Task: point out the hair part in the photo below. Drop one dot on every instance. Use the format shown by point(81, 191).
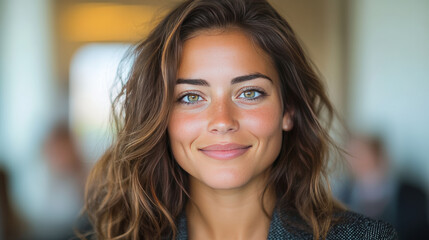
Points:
point(137, 190)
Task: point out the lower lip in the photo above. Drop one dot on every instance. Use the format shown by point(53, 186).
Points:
point(225, 154)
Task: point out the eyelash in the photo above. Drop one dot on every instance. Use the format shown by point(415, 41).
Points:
point(258, 90)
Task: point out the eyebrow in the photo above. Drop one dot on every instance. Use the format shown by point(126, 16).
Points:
point(239, 79)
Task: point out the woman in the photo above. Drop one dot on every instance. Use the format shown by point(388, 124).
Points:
point(219, 136)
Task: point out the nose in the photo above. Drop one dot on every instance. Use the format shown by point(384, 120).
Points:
point(222, 118)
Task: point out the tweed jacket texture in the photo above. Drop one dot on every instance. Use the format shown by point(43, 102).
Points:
point(352, 226)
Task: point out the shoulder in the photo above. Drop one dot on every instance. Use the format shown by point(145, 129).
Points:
point(350, 225)
point(346, 225)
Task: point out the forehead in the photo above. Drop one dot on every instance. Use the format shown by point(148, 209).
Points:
point(228, 50)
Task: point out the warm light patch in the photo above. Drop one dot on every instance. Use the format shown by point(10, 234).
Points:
point(101, 22)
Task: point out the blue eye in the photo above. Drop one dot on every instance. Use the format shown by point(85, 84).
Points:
point(190, 98)
point(251, 94)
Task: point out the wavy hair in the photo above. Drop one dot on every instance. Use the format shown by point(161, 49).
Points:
point(137, 190)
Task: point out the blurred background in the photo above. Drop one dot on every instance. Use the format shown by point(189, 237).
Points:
point(59, 59)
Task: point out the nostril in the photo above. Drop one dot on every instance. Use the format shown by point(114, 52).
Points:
point(224, 128)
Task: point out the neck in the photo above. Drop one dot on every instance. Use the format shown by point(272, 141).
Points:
point(229, 214)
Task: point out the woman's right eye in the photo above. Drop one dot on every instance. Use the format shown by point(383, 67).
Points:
point(190, 98)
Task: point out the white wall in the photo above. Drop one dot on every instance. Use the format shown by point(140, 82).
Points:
point(27, 98)
point(389, 78)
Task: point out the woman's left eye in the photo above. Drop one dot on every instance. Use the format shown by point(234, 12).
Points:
point(251, 94)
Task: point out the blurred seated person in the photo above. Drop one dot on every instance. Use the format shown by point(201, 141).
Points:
point(64, 196)
point(373, 191)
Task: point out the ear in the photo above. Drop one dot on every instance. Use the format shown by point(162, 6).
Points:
point(287, 121)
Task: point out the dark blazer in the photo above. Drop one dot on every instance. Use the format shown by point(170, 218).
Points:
point(353, 226)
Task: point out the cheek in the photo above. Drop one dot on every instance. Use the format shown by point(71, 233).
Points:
point(264, 121)
point(184, 128)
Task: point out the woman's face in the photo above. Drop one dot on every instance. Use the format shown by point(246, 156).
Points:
point(226, 124)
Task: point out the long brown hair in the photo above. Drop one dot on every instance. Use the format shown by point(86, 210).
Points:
point(137, 190)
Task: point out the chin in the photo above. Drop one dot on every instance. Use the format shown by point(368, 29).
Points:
point(226, 180)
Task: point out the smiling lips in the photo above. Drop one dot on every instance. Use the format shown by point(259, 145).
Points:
point(225, 152)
